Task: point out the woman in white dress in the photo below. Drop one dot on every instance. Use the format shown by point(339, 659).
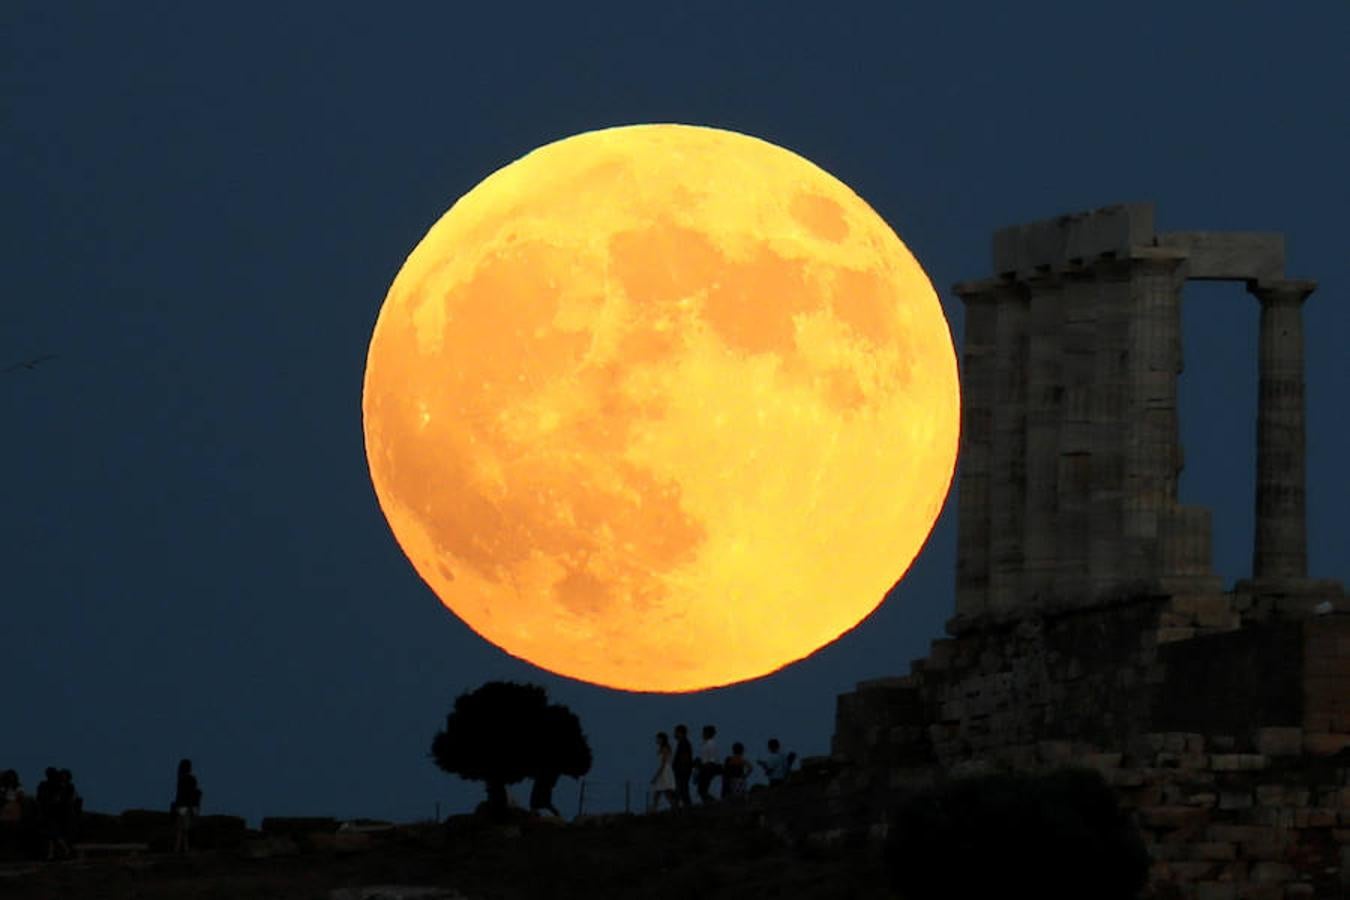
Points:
point(663, 782)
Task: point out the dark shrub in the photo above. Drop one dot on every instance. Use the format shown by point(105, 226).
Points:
point(1053, 836)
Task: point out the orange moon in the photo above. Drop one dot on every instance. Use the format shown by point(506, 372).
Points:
point(661, 408)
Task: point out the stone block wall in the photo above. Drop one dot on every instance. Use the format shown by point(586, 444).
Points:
point(1222, 825)
point(1225, 730)
point(1326, 684)
point(1232, 683)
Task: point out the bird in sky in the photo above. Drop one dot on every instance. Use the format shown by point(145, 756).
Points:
point(31, 363)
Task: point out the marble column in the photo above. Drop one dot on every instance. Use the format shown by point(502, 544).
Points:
point(1073, 479)
point(1008, 458)
point(1281, 545)
point(1153, 441)
point(1109, 401)
point(1045, 400)
point(977, 400)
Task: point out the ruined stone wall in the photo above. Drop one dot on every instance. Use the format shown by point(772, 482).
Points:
point(1233, 683)
point(1326, 684)
point(1231, 744)
point(1074, 673)
point(1221, 824)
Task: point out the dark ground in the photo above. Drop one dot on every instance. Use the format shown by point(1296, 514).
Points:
point(699, 854)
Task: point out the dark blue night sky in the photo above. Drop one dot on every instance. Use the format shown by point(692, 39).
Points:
point(203, 206)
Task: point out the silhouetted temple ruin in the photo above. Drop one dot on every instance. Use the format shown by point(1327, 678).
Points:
point(1090, 628)
point(1072, 450)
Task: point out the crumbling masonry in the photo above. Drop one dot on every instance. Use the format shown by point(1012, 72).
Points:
point(1090, 627)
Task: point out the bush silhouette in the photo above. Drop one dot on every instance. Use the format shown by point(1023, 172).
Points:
point(1053, 836)
point(504, 732)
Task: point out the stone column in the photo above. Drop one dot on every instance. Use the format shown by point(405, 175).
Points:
point(1008, 460)
point(1153, 442)
point(1109, 411)
point(1281, 546)
point(1045, 400)
point(977, 399)
point(1073, 483)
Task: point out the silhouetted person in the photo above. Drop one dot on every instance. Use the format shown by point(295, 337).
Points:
point(11, 797)
point(541, 793)
point(682, 765)
point(11, 812)
point(776, 765)
point(709, 764)
point(735, 772)
point(69, 806)
point(51, 816)
point(187, 802)
point(663, 782)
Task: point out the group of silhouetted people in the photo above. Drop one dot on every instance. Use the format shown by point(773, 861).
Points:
point(44, 824)
point(677, 766)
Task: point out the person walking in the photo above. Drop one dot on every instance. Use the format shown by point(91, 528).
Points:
point(50, 815)
point(69, 807)
point(735, 772)
point(187, 802)
point(682, 765)
point(663, 782)
point(777, 765)
point(709, 764)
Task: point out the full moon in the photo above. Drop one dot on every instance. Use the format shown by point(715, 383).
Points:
point(661, 408)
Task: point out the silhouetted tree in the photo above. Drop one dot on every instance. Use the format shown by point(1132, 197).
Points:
point(1059, 835)
point(504, 732)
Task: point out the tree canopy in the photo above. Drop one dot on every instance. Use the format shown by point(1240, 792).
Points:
point(504, 732)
